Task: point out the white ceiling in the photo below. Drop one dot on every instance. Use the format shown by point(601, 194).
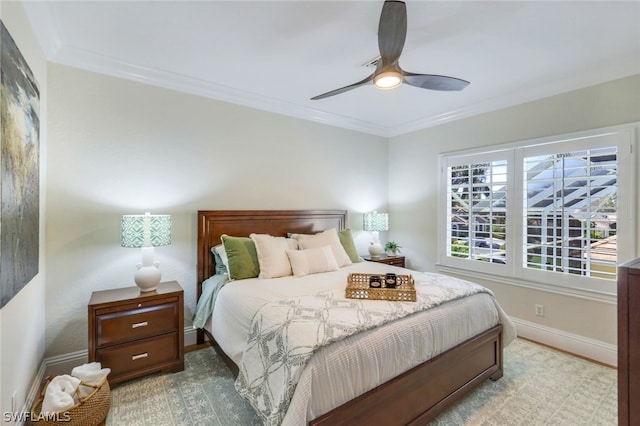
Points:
point(275, 55)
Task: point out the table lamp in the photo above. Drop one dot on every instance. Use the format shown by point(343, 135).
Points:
point(375, 222)
point(146, 232)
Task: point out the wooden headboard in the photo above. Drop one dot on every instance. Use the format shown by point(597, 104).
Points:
point(240, 223)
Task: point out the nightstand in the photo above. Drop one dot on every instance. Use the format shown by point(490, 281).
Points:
point(389, 260)
point(137, 333)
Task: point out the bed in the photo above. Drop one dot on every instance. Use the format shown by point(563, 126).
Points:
point(412, 388)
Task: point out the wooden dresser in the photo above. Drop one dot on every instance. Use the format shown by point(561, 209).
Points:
point(629, 343)
point(135, 333)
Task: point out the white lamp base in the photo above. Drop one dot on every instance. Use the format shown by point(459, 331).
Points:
point(147, 277)
point(375, 249)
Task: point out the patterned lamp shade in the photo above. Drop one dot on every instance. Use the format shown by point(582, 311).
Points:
point(146, 230)
point(375, 221)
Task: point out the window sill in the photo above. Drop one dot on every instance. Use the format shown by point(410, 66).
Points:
point(565, 291)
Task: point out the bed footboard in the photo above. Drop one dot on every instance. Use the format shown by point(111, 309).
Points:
point(420, 394)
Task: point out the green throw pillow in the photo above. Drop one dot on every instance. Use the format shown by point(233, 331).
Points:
point(346, 239)
point(242, 257)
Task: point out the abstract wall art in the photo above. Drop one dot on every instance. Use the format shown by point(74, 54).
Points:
point(19, 170)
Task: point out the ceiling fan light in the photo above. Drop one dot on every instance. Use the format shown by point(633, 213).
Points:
point(387, 80)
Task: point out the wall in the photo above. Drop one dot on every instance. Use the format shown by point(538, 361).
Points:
point(120, 147)
point(413, 184)
point(22, 325)
point(112, 147)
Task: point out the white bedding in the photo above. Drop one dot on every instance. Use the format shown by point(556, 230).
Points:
point(345, 369)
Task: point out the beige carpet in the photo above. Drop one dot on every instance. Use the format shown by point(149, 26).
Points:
point(540, 386)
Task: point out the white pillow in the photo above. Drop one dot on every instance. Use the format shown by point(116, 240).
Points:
point(312, 261)
point(272, 255)
point(327, 238)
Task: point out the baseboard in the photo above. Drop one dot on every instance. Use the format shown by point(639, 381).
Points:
point(190, 336)
point(605, 353)
point(63, 364)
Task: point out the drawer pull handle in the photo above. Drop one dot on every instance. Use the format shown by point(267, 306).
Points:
point(144, 355)
point(140, 324)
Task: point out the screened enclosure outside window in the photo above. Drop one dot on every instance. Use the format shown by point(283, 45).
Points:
point(571, 212)
point(555, 212)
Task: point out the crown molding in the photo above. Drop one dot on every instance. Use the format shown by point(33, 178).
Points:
point(90, 61)
point(46, 29)
point(628, 67)
point(44, 26)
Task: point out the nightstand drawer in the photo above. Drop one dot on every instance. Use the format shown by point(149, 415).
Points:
point(128, 325)
point(396, 262)
point(122, 359)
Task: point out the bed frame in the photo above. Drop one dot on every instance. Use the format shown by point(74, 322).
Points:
point(413, 398)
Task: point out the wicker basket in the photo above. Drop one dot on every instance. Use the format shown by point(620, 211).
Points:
point(358, 288)
point(90, 411)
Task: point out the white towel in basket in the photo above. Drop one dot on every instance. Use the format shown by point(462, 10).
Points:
point(60, 393)
point(91, 374)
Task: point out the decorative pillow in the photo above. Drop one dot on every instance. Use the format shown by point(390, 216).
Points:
point(220, 257)
point(272, 255)
point(312, 261)
point(242, 256)
point(346, 239)
point(326, 238)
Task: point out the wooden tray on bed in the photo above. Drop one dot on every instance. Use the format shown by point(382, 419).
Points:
point(358, 288)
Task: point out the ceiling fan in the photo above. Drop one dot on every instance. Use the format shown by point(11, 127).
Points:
point(392, 32)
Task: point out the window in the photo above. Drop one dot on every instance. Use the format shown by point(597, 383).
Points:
point(571, 212)
point(556, 211)
point(477, 211)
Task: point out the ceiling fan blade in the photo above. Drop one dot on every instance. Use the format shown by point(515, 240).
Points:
point(392, 31)
point(344, 89)
point(434, 82)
